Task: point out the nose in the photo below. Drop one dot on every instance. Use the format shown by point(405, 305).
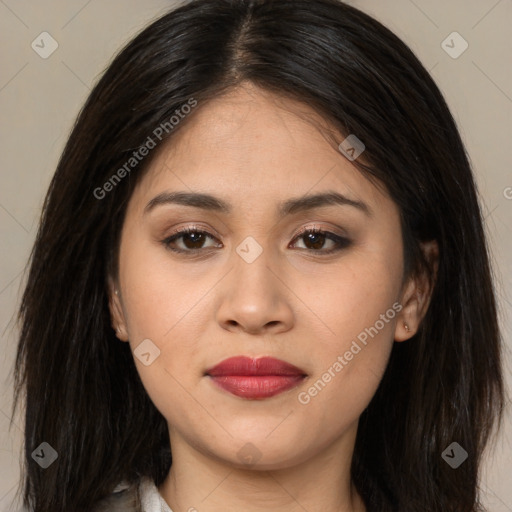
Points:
point(255, 299)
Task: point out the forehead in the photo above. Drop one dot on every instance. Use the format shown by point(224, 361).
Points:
point(256, 148)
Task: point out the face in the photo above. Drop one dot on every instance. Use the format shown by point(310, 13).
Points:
point(263, 270)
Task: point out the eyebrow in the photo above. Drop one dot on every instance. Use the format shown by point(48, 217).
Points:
point(288, 207)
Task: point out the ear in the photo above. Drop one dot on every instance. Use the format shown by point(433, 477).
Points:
point(416, 295)
point(116, 311)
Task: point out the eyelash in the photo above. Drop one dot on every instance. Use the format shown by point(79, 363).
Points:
point(342, 242)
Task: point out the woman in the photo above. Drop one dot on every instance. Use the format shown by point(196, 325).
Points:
point(262, 251)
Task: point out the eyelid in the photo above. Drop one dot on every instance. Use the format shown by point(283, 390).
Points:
point(194, 228)
point(319, 229)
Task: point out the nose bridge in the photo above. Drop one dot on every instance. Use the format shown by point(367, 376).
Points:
point(254, 298)
point(252, 278)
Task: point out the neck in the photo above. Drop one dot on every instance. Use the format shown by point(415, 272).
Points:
point(198, 482)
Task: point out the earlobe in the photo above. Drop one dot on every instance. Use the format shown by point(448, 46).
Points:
point(116, 313)
point(403, 331)
point(417, 295)
point(406, 326)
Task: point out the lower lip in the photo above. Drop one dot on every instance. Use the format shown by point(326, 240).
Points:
point(257, 387)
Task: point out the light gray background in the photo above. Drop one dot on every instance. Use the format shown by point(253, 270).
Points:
point(39, 99)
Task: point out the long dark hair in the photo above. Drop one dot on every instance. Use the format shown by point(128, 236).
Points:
point(83, 394)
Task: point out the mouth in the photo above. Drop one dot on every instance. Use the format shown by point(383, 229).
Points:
point(255, 379)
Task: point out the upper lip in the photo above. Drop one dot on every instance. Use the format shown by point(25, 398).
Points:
point(248, 366)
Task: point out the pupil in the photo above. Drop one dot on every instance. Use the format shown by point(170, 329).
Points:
point(191, 236)
point(319, 242)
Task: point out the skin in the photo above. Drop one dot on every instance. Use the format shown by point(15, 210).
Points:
point(251, 149)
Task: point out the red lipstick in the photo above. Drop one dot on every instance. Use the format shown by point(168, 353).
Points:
point(255, 379)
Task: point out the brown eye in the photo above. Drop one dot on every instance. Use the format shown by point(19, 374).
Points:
point(314, 240)
point(192, 240)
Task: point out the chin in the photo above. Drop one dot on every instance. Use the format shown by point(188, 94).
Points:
point(259, 452)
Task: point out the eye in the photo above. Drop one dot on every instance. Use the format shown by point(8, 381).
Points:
point(314, 240)
point(192, 240)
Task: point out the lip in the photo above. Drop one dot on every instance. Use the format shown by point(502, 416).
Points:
point(255, 379)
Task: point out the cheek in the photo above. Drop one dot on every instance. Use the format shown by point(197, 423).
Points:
point(158, 292)
point(167, 314)
point(349, 364)
point(162, 306)
point(351, 296)
point(354, 313)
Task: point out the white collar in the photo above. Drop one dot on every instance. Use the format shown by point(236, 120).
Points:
point(151, 498)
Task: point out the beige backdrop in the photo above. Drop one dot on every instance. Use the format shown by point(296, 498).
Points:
point(40, 97)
